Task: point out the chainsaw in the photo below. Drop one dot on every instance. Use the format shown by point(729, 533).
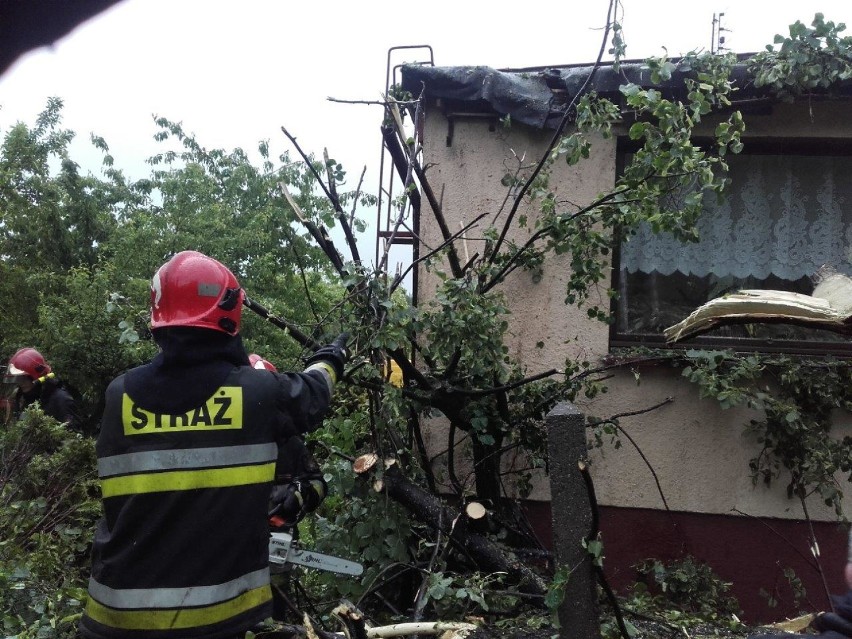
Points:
point(284, 551)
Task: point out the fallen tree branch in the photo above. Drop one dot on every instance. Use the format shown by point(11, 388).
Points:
point(455, 628)
point(556, 136)
point(431, 511)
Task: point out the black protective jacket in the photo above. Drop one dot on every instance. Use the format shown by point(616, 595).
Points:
point(55, 400)
point(186, 458)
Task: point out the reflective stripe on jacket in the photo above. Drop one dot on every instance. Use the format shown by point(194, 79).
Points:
point(182, 550)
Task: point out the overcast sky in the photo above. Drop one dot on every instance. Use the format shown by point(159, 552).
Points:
point(235, 72)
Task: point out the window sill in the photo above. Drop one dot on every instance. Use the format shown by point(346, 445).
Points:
point(739, 345)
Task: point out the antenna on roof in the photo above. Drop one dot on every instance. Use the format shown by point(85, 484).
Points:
point(717, 40)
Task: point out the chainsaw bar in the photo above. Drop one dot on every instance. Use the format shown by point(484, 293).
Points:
point(284, 550)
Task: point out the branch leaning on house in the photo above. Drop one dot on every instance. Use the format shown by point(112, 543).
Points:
point(815, 549)
point(512, 263)
point(411, 152)
point(556, 136)
point(808, 560)
point(437, 210)
point(436, 250)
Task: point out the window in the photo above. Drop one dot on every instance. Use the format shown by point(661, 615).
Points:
point(786, 214)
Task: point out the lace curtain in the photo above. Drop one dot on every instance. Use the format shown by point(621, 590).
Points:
point(785, 215)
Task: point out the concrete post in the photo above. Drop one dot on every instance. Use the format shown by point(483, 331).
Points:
point(571, 520)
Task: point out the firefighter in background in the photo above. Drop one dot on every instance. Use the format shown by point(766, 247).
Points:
point(186, 458)
point(36, 382)
point(299, 487)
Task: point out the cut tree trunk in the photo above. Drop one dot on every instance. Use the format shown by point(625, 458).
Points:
point(432, 511)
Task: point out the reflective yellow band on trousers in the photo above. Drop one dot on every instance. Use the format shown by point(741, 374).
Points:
point(177, 618)
point(176, 596)
point(187, 480)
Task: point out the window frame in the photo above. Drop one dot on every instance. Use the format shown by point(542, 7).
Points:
point(751, 146)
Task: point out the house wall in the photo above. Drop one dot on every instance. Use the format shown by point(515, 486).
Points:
point(699, 453)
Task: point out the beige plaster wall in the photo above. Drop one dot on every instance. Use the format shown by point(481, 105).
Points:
point(466, 176)
point(698, 451)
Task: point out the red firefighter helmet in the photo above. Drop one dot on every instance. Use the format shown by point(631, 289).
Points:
point(28, 361)
point(257, 361)
point(192, 289)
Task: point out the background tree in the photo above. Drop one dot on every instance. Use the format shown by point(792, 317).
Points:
point(77, 252)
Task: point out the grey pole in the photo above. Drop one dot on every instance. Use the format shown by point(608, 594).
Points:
point(571, 521)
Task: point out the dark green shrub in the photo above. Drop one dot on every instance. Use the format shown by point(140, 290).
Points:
point(49, 501)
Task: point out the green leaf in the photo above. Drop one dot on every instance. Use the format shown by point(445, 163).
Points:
point(637, 130)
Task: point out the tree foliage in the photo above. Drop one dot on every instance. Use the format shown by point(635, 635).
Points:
point(78, 250)
point(49, 501)
point(797, 399)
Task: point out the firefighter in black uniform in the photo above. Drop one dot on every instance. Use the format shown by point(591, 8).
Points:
point(186, 458)
point(37, 382)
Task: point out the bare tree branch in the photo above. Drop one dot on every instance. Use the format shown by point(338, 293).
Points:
point(294, 331)
point(357, 197)
point(614, 421)
point(507, 387)
point(438, 249)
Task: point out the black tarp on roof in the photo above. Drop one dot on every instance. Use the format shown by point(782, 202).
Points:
point(539, 97)
point(526, 97)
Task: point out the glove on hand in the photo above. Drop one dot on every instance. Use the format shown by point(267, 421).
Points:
point(296, 499)
point(335, 354)
point(288, 500)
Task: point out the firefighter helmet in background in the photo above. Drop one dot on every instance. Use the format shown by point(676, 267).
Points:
point(27, 361)
point(258, 362)
point(194, 290)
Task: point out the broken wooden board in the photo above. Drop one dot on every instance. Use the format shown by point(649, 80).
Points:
point(828, 308)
